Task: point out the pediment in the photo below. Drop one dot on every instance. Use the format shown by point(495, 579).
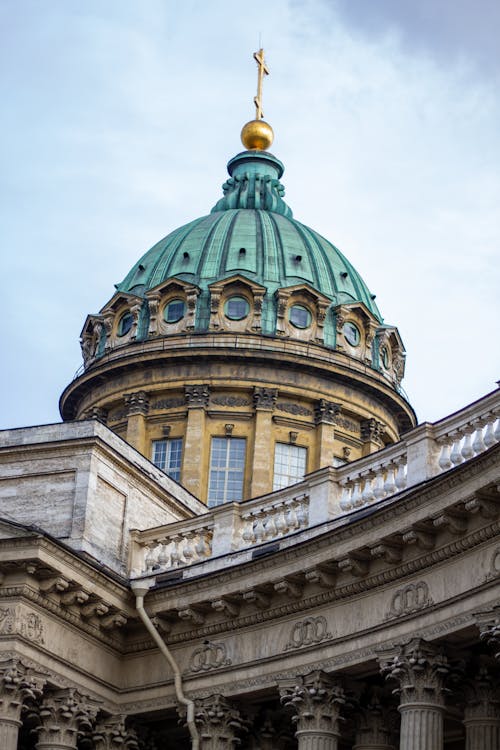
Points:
point(118, 300)
point(169, 285)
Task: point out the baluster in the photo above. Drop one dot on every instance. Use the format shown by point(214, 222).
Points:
point(188, 551)
point(291, 517)
point(478, 445)
point(379, 490)
point(260, 531)
point(301, 513)
point(489, 435)
point(269, 525)
point(175, 554)
point(496, 433)
point(444, 457)
point(356, 499)
point(389, 484)
point(367, 494)
point(467, 451)
point(163, 557)
point(149, 558)
point(247, 534)
point(202, 547)
point(456, 453)
point(400, 478)
point(345, 498)
point(281, 526)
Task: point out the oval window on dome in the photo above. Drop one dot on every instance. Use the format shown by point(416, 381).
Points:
point(384, 356)
point(174, 310)
point(125, 324)
point(300, 316)
point(352, 334)
point(237, 308)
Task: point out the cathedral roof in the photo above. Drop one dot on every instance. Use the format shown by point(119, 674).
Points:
point(250, 232)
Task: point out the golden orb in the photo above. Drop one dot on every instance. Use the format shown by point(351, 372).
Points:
point(257, 134)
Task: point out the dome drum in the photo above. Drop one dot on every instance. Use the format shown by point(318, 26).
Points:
point(246, 326)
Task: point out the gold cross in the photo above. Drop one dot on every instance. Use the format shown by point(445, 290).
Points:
point(263, 70)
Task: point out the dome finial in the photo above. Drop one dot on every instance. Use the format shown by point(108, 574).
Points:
point(258, 134)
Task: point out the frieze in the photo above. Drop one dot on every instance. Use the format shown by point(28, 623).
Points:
point(28, 625)
point(209, 656)
point(390, 575)
point(409, 599)
point(296, 409)
point(308, 631)
point(494, 571)
point(347, 424)
point(168, 403)
point(230, 401)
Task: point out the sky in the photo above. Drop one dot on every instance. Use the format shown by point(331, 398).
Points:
point(119, 118)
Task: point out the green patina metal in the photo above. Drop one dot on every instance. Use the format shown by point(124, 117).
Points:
point(251, 232)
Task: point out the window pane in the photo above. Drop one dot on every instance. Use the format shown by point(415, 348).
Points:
point(227, 469)
point(167, 455)
point(289, 465)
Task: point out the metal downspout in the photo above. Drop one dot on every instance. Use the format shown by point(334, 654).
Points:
point(140, 589)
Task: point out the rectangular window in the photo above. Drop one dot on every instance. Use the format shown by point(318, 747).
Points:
point(289, 465)
point(227, 469)
point(167, 455)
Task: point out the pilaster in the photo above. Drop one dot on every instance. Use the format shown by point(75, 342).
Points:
point(137, 408)
point(316, 700)
point(264, 400)
point(196, 445)
point(482, 712)
point(371, 432)
point(325, 414)
point(218, 722)
point(420, 669)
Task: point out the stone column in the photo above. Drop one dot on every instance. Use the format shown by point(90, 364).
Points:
point(196, 443)
point(137, 408)
point(482, 712)
point(218, 723)
point(112, 734)
point(373, 728)
point(264, 400)
point(325, 414)
point(17, 687)
point(63, 715)
point(316, 701)
point(420, 668)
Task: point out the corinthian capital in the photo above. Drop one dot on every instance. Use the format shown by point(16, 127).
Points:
point(65, 714)
point(137, 403)
point(219, 723)
point(316, 700)
point(420, 668)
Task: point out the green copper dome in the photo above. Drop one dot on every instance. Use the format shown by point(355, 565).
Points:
point(250, 232)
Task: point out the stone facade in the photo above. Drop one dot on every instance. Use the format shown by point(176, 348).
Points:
point(302, 619)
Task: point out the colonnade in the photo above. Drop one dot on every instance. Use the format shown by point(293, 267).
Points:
point(317, 705)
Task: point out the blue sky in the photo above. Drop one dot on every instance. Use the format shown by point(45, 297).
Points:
point(119, 118)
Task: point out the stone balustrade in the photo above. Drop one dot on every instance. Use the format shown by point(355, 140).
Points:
point(325, 495)
point(169, 547)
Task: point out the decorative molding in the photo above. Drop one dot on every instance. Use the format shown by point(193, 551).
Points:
point(137, 403)
point(168, 403)
point(197, 396)
point(230, 401)
point(296, 409)
point(209, 656)
point(409, 599)
point(326, 412)
point(308, 631)
point(265, 398)
point(28, 625)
